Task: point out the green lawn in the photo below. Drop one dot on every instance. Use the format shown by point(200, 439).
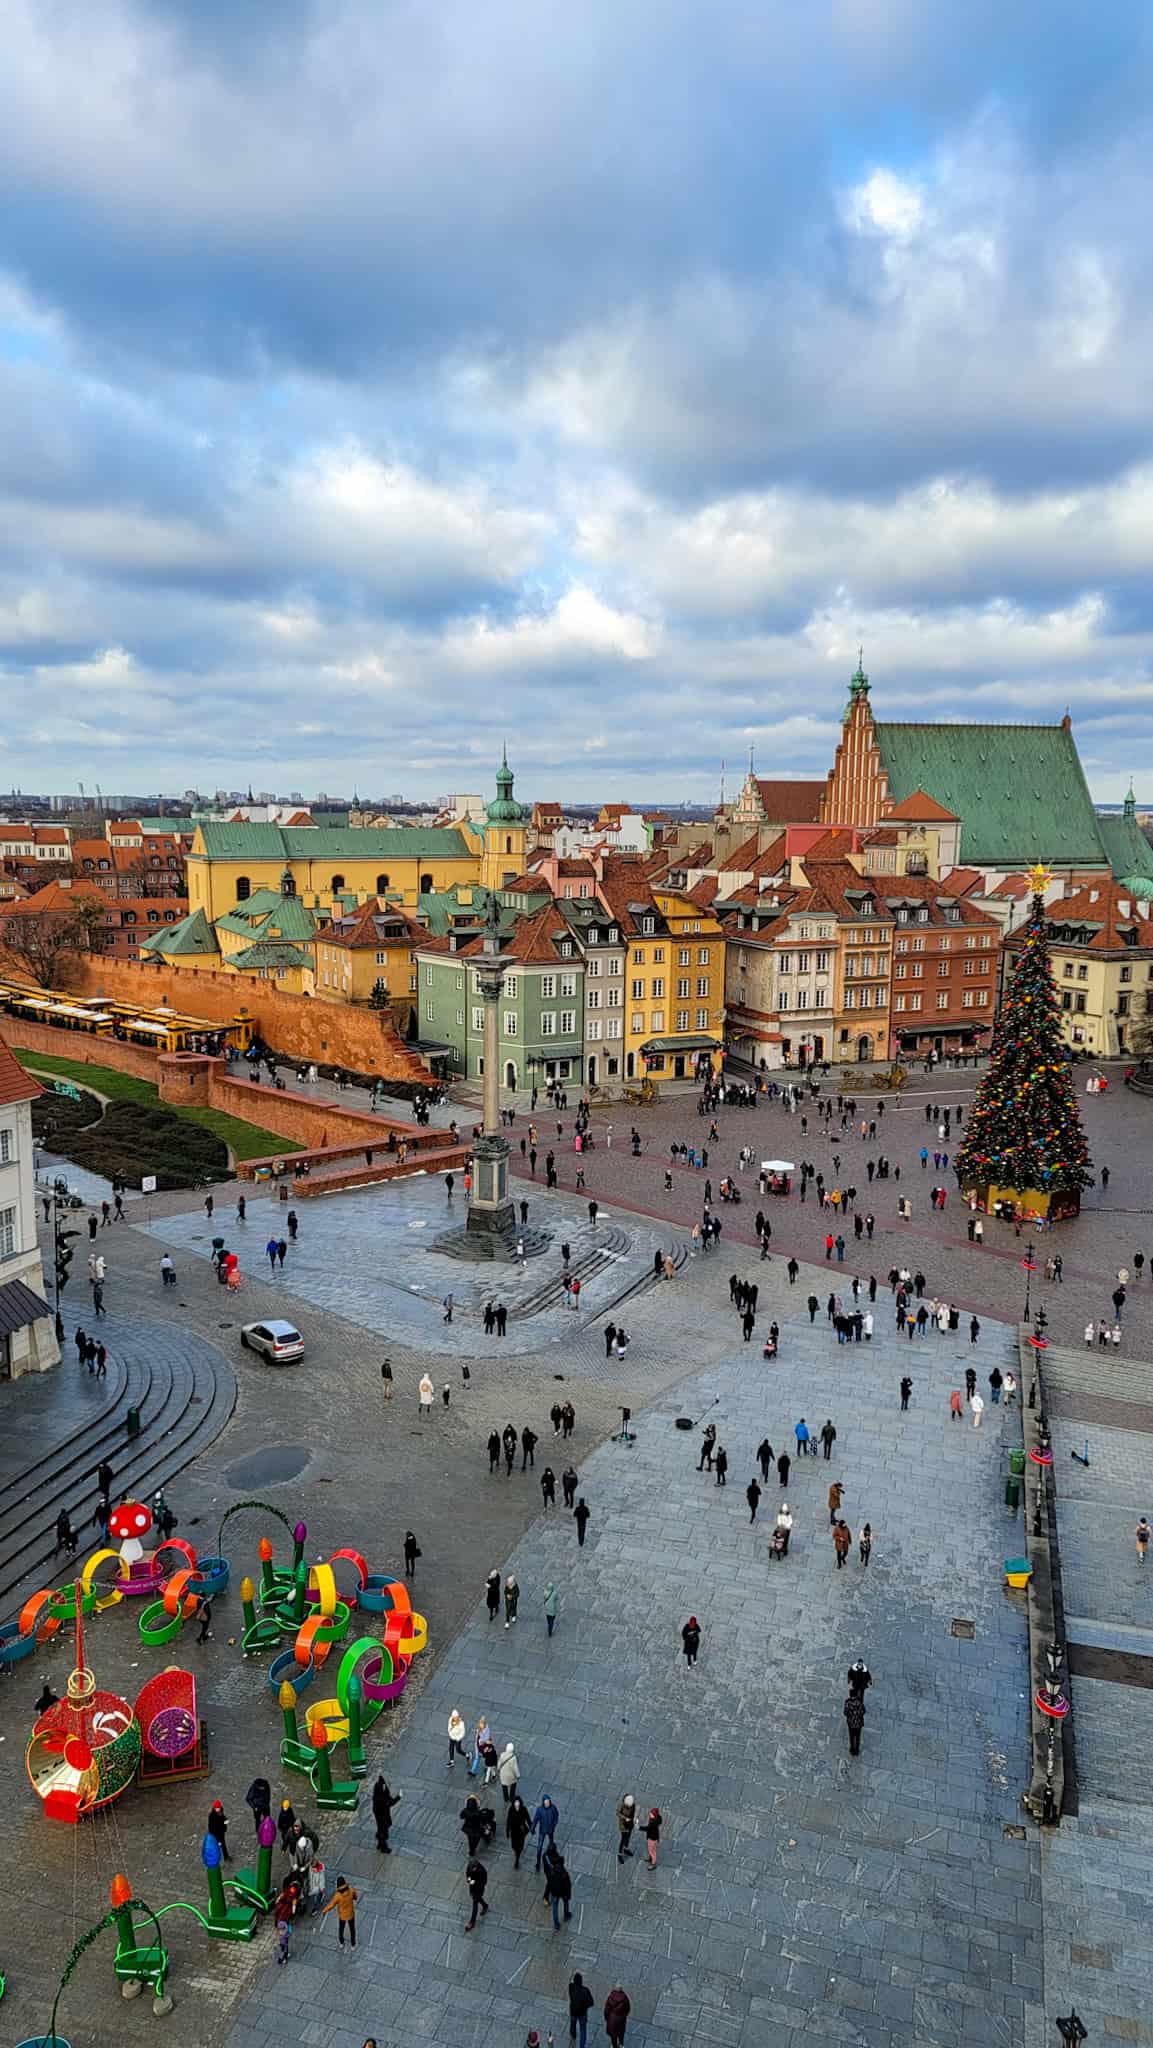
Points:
point(245, 1141)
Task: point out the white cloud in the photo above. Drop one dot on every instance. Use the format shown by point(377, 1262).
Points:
point(578, 626)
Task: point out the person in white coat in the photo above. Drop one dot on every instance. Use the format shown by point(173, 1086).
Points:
point(508, 1771)
point(978, 1408)
point(427, 1394)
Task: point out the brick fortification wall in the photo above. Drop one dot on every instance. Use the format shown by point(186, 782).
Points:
point(334, 1034)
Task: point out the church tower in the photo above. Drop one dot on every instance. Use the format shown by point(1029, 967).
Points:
point(505, 832)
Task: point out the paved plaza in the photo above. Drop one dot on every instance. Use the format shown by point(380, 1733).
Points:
point(801, 1895)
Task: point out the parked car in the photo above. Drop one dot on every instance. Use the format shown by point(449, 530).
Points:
point(280, 1343)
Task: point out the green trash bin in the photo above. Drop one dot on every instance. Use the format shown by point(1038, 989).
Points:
point(1017, 1462)
point(132, 1422)
point(1013, 1493)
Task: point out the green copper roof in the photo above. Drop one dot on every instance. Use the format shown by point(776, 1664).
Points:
point(1130, 854)
point(193, 934)
point(1019, 790)
point(317, 842)
point(269, 953)
point(504, 809)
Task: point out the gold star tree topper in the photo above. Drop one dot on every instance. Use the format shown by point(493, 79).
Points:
point(1039, 878)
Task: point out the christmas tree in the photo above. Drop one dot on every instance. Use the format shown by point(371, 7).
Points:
point(1024, 1129)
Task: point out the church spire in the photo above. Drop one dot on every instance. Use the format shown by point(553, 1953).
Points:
point(1130, 803)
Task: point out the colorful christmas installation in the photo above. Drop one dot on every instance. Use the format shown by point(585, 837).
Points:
point(85, 1749)
point(1024, 1145)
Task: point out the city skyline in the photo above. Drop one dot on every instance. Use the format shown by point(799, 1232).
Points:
point(375, 391)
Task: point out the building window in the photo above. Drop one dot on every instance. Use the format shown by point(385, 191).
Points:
point(658, 987)
point(7, 1148)
point(684, 956)
point(478, 1017)
point(902, 945)
point(460, 981)
point(638, 990)
point(702, 984)
point(593, 1028)
point(702, 1020)
point(243, 887)
point(822, 963)
point(1126, 974)
point(917, 969)
point(547, 987)
point(1068, 970)
point(382, 961)
point(821, 998)
point(682, 1020)
point(637, 1022)
point(899, 1003)
point(510, 1023)
point(648, 924)
point(1123, 1006)
point(336, 884)
point(613, 1027)
point(429, 1012)
point(592, 999)
point(592, 966)
point(568, 984)
point(615, 999)
point(943, 999)
point(704, 953)
point(851, 998)
point(914, 1002)
point(803, 963)
point(1080, 1004)
point(684, 987)
point(802, 999)
point(548, 1023)
point(460, 1018)
point(943, 968)
point(1082, 972)
point(511, 985)
point(429, 975)
point(567, 1023)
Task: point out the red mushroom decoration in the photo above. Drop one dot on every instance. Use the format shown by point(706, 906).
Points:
point(128, 1523)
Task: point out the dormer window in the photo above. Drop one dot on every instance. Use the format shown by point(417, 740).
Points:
point(594, 936)
point(648, 924)
point(867, 907)
point(614, 935)
point(903, 914)
point(923, 914)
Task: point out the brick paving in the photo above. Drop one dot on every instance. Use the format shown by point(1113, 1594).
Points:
point(793, 1903)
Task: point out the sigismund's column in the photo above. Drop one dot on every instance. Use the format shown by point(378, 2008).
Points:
point(491, 1211)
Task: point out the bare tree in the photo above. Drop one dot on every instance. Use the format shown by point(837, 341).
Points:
point(41, 939)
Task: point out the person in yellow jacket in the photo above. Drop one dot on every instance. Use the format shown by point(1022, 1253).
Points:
point(344, 1898)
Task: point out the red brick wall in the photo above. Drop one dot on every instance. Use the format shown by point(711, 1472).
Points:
point(78, 1045)
point(339, 1034)
point(295, 1116)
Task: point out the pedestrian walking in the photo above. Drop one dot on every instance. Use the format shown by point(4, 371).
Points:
point(412, 1551)
point(383, 1801)
point(517, 1827)
point(753, 1496)
point(653, 1835)
point(550, 1606)
point(708, 1439)
point(492, 1594)
point(721, 1466)
point(842, 1542)
point(476, 1877)
point(854, 1713)
point(691, 1640)
point(581, 1518)
point(427, 1394)
point(544, 1824)
point(528, 1443)
point(568, 1483)
point(977, 1409)
point(828, 1439)
point(836, 1495)
point(955, 1404)
point(906, 1390)
point(508, 1771)
point(784, 1527)
point(218, 1828)
point(865, 1544)
point(548, 1487)
point(511, 1599)
point(784, 1466)
point(456, 1728)
point(617, 2007)
point(388, 1385)
point(204, 1617)
point(996, 1382)
point(558, 1888)
point(1143, 1533)
point(801, 1432)
point(764, 1457)
point(580, 2004)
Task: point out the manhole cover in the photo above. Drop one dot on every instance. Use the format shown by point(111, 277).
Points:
point(965, 1629)
point(271, 1467)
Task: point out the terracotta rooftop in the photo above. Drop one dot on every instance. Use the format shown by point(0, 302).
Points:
point(1097, 911)
point(15, 1084)
point(919, 806)
point(791, 803)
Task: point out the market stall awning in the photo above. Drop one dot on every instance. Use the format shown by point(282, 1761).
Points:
point(700, 1044)
point(19, 1306)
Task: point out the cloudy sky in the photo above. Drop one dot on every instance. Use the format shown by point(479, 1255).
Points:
point(379, 380)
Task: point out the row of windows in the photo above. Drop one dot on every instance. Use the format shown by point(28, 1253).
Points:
point(862, 963)
point(975, 942)
point(613, 962)
point(973, 999)
point(863, 998)
point(613, 999)
point(684, 956)
point(614, 1028)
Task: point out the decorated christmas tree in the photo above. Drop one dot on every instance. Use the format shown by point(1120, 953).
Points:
point(1024, 1133)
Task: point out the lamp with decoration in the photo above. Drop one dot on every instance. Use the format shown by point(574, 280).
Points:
point(1024, 1151)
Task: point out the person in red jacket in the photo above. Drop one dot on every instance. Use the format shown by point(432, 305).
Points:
point(618, 2006)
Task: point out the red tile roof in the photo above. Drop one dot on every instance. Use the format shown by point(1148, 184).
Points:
point(791, 803)
point(963, 882)
point(920, 806)
point(1099, 904)
point(15, 1084)
point(363, 927)
point(771, 860)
